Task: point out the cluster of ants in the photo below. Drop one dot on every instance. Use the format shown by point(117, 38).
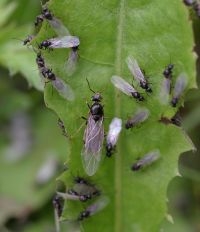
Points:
point(82, 189)
point(94, 132)
point(64, 40)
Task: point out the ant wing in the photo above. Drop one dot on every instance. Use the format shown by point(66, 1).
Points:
point(71, 62)
point(93, 139)
point(140, 116)
point(59, 27)
point(63, 89)
point(42, 78)
point(64, 42)
point(148, 158)
point(165, 90)
point(68, 196)
point(180, 85)
point(135, 69)
point(98, 205)
point(114, 131)
point(122, 85)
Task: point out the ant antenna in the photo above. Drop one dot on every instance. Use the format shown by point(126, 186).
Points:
point(18, 39)
point(170, 60)
point(89, 86)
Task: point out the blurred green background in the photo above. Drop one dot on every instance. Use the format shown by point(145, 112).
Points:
point(30, 136)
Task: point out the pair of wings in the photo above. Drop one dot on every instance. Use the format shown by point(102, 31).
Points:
point(61, 87)
point(68, 41)
point(140, 116)
point(180, 85)
point(122, 85)
point(148, 158)
point(114, 131)
point(135, 69)
point(93, 143)
point(65, 40)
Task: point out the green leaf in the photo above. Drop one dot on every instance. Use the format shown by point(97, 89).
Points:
point(155, 33)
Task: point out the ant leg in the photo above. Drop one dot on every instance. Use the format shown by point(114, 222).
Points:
point(89, 86)
point(88, 106)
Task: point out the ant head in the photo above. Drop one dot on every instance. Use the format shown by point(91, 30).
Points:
point(146, 86)
point(39, 55)
point(44, 44)
point(168, 71)
point(80, 180)
point(140, 98)
point(50, 75)
point(28, 39)
point(136, 167)
point(47, 14)
point(74, 49)
point(149, 90)
point(170, 66)
point(97, 97)
point(174, 102)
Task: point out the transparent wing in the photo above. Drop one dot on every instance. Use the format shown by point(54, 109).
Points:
point(165, 90)
point(59, 27)
point(149, 158)
point(71, 62)
point(64, 42)
point(42, 78)
point(180, 85)
point(140, 116)
point(98, 205)
point(135, 69)
point(93, 138)
point(63, 89)
point(122, 85)
point(68, 196)
point(114, 130)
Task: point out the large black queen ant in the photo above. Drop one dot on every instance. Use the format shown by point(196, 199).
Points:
point(93, 135)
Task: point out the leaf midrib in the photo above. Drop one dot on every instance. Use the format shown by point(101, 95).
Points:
point(118, 70)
